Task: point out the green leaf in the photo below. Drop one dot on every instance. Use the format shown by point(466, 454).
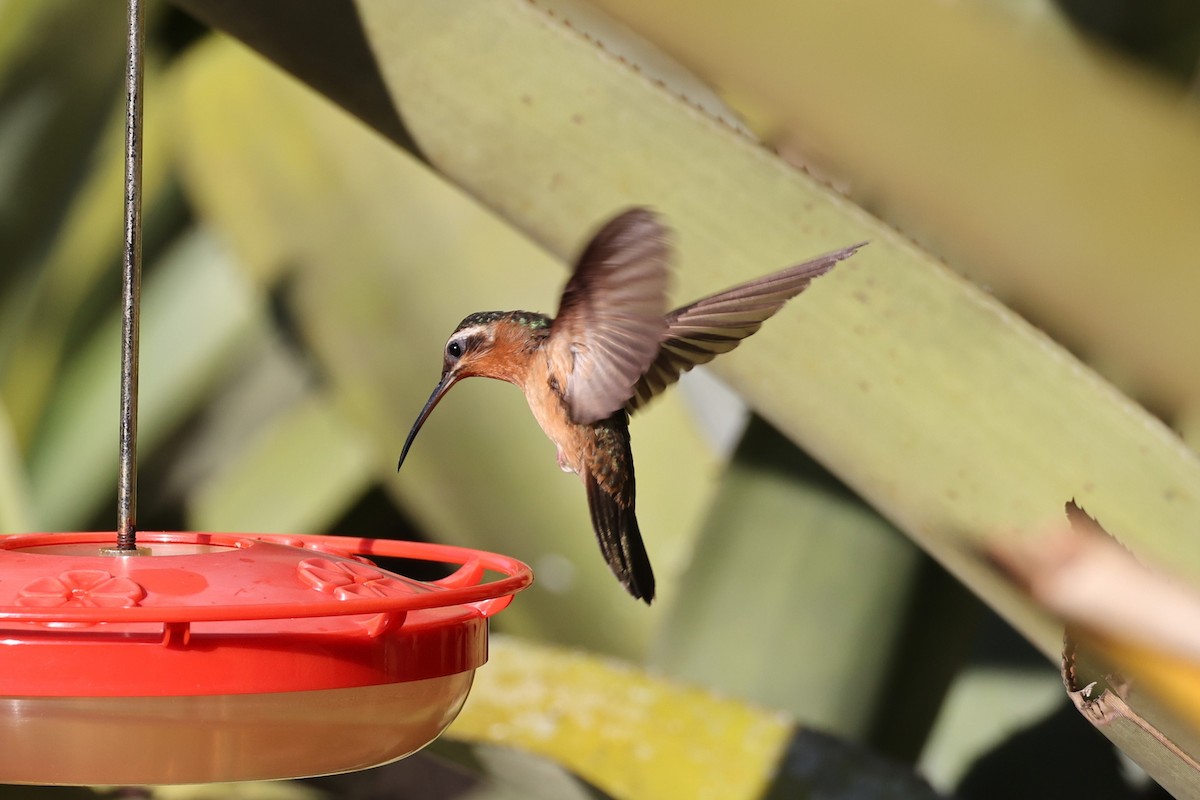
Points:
point(60, 81)
point(505, 773)
point(195, 312)
point(635, 735)
point(796, 594)
point(628, 733)
point(297, 475)
point(1038, 163)
point(85, 252)
point(1009, 699)
point(15, 503)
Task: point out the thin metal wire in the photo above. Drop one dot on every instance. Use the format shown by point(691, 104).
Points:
point(131, 281)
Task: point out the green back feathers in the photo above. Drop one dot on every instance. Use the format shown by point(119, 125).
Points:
point(526, 319)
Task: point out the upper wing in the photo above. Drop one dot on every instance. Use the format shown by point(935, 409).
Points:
point(610, 321)
point(716, 324)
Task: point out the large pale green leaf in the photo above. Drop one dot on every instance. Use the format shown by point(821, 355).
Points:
point(1035, 160)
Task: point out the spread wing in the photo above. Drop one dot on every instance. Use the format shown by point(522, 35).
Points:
point(698, 332)
point(610, 320)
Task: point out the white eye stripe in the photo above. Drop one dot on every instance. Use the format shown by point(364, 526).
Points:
point(466, 333)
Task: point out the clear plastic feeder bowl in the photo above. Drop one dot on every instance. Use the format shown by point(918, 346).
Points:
point(221, 657)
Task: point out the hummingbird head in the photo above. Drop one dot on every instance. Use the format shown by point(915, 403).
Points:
point(490, 344)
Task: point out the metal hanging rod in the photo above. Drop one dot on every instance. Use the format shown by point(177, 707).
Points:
point(131, 282)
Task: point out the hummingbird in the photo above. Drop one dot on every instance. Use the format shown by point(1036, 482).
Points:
point(610, 349)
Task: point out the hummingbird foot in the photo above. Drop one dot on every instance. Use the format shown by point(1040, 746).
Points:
point(562, 463)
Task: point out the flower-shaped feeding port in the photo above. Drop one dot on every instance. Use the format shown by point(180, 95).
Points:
point(301, 649)
point(88, 588)
point(349, 579)
point(346, 579)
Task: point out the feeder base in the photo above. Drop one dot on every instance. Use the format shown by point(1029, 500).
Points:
point(70, 741)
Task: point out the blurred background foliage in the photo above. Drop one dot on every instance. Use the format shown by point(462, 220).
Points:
point(302, 272)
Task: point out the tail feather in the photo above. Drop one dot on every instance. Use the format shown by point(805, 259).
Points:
point(620, 539)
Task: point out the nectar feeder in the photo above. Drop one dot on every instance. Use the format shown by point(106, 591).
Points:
point(221, 657)
point(187, 657)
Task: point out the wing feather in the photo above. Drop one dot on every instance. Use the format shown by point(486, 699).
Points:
point(611, 318)
point(700, 331)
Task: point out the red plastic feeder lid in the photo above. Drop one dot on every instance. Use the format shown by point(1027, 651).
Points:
point(228, 614)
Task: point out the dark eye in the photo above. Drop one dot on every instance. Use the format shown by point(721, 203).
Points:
point(454, 349)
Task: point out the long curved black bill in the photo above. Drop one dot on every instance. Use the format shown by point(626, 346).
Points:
point(443, 386)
